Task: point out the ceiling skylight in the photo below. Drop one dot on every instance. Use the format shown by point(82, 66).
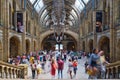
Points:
point(80, 5)
point(37, 4)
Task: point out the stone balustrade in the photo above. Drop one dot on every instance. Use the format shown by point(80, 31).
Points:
point(9, 71)
point(113, 70)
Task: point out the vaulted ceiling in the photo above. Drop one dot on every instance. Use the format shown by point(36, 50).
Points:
point(72, 9)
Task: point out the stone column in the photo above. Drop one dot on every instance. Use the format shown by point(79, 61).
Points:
point(32, 41)
point(86, 47)
point(112, 33)
point(24, 33)
point(94, 30)
point(3, 72)
point(5, 30)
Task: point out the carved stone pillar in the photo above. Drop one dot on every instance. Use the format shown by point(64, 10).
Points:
point(94, 30)
point(11, 73)
point(7, 72)
point(3, 72)
point(23, 34)
point(15, 74)
point(112, 33)
point(5, 30)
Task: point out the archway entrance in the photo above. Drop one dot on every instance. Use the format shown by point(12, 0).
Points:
point(47, 46)
point(27, 46)
point(104, 44)
point(118, 50)
point(71, 46)
point(90, 45)
point(1, 51)
point(68, 42)
point(14, 46)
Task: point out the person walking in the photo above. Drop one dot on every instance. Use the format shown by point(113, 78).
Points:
point(33, 68)
point(53, 68)
point(60, 63)
point(70, 68)
point(93, 64)
point(103, 64)
point(75, 64)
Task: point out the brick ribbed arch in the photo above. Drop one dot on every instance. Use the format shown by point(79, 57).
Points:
point(69, 32)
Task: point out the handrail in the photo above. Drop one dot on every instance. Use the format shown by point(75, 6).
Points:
point(113, 70)
point(7, 64)
point(113, 64)
point(13, 71)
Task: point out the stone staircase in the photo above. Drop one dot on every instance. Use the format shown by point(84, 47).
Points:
point(9, 71)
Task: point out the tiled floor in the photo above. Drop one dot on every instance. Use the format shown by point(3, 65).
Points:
point(80, 72)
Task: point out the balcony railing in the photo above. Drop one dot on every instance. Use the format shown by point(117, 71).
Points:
point(113, 70)
point(9, 71)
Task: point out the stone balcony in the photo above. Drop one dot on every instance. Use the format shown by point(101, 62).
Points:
point(113, 70)
point(9, 71)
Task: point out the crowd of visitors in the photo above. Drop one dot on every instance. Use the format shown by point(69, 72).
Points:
point(94, 66)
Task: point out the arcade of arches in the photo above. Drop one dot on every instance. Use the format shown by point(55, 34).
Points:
point(68, 43)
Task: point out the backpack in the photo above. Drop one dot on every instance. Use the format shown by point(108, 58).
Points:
point(75, 64)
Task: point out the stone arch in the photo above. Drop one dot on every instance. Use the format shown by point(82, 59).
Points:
point(118, 49)
point(1, 51)
point(14, 46)
point(90, 44)
point(104, 44)
point(68, 32)
point(71, 33)
point(27, 46)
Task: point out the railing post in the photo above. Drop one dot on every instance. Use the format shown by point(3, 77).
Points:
point(106, 74)
point(17, 73)
point(2, 73)
point(118, 72)
point(24, 68)
point(111, 76)
point(11, 73)
point(7, 73)
point(117, 75)
point(109, 73)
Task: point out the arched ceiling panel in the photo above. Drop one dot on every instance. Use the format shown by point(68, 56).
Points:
point(72, 9)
